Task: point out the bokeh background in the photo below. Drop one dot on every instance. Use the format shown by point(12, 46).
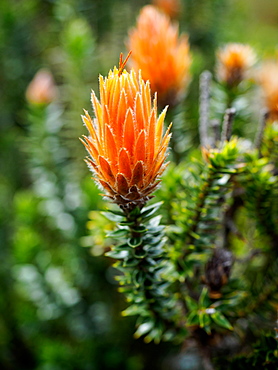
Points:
point(59, 305)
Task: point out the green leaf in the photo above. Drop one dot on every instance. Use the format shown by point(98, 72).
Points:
point(139, 229)
point(131, 262)
point(194, 235)
point(117, 233)
point(204, 319)
point(155, 221)
point(228, 170)
point(140, 253)
point(223, 180)
point(143, 329)
point(134, 241)
point(132, 310)
point(135, 212)
point(119, 213)
point(154, 335)
point(117, 254)
point(112, 217)
point(193, 319)
point(147, 211)
point(139, 278)
point(126, 223)
point(152, 240)
point(204, 299)
point(191, 303)
point(221, 320)
point(155, 230)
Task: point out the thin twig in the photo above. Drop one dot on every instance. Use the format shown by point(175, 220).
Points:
point(276, 328)
point(205, 80)
point(261, 126)
point(215, 125)
point(227, 124)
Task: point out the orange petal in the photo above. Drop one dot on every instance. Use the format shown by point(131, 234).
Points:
point(124, 163)
point(129, 132)
point(137, 174)
point(111, 148)
point(97, 108)
point(147, 97)
point(92, 150)
point(87, 120)
point(159, 126)
point(139, 112)
point(151, 138)
point(151, 188)
point(131, 87)
point(114, 93)
point(106, 170)
point(106, 116)
point(156, 169)
point(122, 108)
point(107, 187)
point(140, 147)
point(102, 90)
point(91, 164)
point(122, 184)
point(166, 137)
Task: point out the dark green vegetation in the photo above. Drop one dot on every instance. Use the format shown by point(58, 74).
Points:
point(59, 305)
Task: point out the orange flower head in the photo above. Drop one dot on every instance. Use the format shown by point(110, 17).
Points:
point(126, 144)
point(42, 89)
point(169, 7)
point(160, 54)
point(234, 61)
point(268, 80)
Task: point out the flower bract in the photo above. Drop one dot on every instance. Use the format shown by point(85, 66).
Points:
point(233, 62)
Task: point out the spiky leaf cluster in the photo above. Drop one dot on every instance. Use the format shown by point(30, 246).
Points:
point(144, 266)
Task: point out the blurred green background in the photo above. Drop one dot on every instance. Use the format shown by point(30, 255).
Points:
point(59, 306)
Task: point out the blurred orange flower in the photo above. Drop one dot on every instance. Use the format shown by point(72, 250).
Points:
point(268, 80)
point(169, 7)
point(160, 54)
point(233, 62)
point(126, 145)
point(42, 89)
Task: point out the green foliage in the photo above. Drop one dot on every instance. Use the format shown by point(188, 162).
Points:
point(59, 308)
point(263, 356)
point(262, 195)
point(141, 259)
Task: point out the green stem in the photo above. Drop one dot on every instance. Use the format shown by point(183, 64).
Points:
point(143, 262)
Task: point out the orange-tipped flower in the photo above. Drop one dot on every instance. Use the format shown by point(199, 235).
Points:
point(160, 54)
point(234, 61)
point(126, 145)
point(268, 79)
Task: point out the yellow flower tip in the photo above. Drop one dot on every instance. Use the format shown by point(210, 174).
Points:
point(267, 78)
point(162, 56)
point(234, 61)
point(126, 144)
